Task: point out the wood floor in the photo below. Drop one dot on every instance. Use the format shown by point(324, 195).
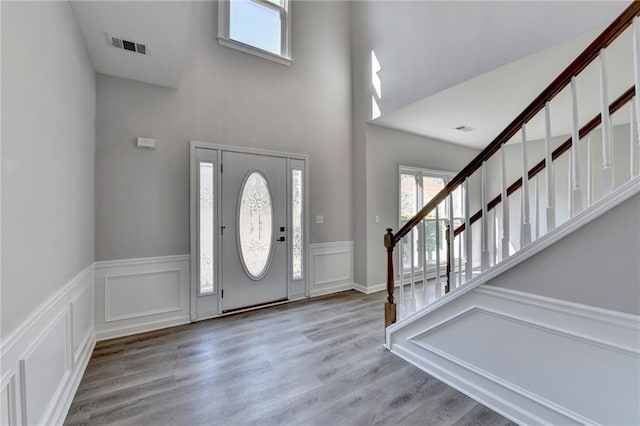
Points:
point(316, 362)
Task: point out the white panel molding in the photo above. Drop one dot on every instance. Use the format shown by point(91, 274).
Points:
point(612, 335)
point(41, 363)
point(331, 267)
point(117, 282)
point(109, 283)
point(623, 193)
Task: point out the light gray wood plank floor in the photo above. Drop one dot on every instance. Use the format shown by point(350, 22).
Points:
point(315, 362)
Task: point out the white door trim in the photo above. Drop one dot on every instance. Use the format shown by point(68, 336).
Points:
point(194, 145)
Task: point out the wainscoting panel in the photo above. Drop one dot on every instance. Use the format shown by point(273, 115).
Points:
point(533, 359)
point(43, 370)
point(81, 321)
point(137, 295)
point(331, 267)
point(45, 357)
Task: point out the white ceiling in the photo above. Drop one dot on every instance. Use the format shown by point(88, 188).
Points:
point(164, 26)
point(489, 102)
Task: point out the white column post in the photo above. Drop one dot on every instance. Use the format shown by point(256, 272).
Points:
point(607, 164)
point(484, 258)
point(467, 233)
point(548, 162)
point(576, 188)
point(505, 204)
point(525, 224)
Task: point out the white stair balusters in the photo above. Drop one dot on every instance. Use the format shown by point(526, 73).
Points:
point(425, 260)
point(412, 302)
point(607, 164)
point(536, 204)
point(633, 141)
point(589, 171)
point(576, 187)
point(438, 291)
point(505, 204)
point(636, 78)
point(525, 224)
point(548, 162)
point(484, 232)
point(452, 248)
point(467, 233)
point(401, 305)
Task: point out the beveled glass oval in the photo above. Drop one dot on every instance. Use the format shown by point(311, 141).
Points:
point(255, 225)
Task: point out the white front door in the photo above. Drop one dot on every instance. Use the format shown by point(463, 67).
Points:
point(254, 230)
point(248, 228)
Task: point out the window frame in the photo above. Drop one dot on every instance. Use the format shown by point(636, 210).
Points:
point(224, 39)
point(418, 174)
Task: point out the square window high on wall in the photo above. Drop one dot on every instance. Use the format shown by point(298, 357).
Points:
point(258, 27)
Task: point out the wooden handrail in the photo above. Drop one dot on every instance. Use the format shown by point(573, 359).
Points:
point(592, 51)
point(566, 145)
point(578, 65)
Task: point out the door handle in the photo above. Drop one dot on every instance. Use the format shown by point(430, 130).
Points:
point(281, 239)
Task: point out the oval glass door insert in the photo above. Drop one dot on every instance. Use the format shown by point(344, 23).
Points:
point(255, 225)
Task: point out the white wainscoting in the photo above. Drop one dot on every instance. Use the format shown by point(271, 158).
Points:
point(331, 267)
point(138, 295)
point(44, 358)
point(534, 359)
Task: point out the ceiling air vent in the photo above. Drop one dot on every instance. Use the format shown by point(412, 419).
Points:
point(464, 128)
point(131, 46)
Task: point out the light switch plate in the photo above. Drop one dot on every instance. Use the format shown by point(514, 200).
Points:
point(319, 219)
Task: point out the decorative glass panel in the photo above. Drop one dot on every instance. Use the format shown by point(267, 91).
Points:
point(255, 25)
point(206, 228)
point(296, 216)
point(255, 225)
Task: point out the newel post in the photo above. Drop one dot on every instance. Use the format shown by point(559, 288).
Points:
point(390, 306)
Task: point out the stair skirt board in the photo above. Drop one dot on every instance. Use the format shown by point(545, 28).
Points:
point(555, 386)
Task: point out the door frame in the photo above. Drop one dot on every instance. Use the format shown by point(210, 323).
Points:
point(193, 225)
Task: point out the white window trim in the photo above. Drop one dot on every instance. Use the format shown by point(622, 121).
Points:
point(224, 40)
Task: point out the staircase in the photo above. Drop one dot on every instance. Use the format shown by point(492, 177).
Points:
point(533, 308)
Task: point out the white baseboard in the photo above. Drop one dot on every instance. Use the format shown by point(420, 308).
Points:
point(141, 327)
point(548, 351)
point(44, 359)
point(371, 289)
point(121, 307)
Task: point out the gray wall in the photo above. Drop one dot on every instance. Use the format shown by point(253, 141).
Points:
point(48, 131)
point(388, 149)
point(596, 265)
point(225, 97)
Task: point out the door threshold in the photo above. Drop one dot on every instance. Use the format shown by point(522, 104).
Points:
point(256, 306)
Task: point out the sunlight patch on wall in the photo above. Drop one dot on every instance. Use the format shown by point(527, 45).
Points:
point(377, 86)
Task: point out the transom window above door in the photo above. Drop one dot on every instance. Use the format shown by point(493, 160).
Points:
point(258, 27)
